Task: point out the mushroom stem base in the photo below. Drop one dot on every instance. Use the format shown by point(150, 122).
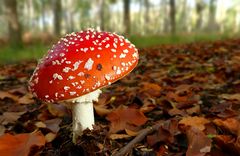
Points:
point(83, 114)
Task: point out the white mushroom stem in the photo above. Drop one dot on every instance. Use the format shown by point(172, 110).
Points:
point(83, 114)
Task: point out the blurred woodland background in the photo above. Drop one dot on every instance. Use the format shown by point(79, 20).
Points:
point(145, 22)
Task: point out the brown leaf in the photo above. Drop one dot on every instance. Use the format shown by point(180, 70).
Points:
point(20, 144)
point(165, 133)
point(125, 118)
point(197, 122)
point(176, 111)
point(160, 135)
point(183, 101)
point(198, 143)
point(57, 110)
point(230, 124)
point(4, 94)
point(228, 144)
point(152, 89)
point(10, 117)
point(50, 137)
point(194, 110)
point(20, 90)
point(40, 124)
point(53, 124)
point(230, 96)
point(101, 107)
point(131, 133)
point(26, 99)
point(148, 105)
point(101, 110)
point(2, 130)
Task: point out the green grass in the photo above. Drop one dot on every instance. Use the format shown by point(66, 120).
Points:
point(11, 55)
point(148, 41)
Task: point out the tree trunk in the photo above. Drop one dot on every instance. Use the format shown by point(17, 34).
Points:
point(44, 24)
point(127, 21)
point(172, 16)
point(102, 14)
point(14, 26)
point(183, 17)
point(199, 10)
point(146, 16)
point(165, 20)
point(57, 10)
point(212, 25)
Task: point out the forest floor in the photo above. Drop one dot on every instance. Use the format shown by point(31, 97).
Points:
point(180, 100)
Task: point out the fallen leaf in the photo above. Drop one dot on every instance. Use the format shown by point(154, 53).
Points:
point(228, 144)
point(26, 99)
point(125, 118)
point(230, 96)
point(20, 90)
point(50, 137)
point(131, 133)
point(40, 124)
point(101, 107)
point(165, 133)
point(152, 89)
point(230, 124)
point(160, 135)
point(20, 144)
point(57, 109)
point(148, 105)
point(2, 130)
point(101, 110)
point(193, 110)
point(10, 117)
point(198, 143)
point(53, 124)
point(4, 94)
point(197, 122)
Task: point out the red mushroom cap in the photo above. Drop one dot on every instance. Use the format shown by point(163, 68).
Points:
point(81, 63)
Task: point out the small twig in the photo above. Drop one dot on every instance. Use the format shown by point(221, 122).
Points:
point(142, 134)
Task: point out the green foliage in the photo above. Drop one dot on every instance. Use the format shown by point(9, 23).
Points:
point(146, 41)
point(9, 55)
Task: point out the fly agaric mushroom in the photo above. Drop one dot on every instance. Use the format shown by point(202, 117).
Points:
point(77, 67)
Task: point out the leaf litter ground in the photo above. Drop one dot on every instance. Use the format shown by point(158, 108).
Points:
point(180, 100)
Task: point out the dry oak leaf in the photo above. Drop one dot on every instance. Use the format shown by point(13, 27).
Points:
point(101, 107)
point(230, 96)
point(10, 117)
point(230, 124)
point(4, 94)
point(20, 90)
point(197, 122)
point(50, 137)
point(57, 109)
point(165, 133)
point(125, 118)
point(152, 89)
point(20, 144)
point(52, 124)
point(2, 130)
point(26, 99)
point(198, 143)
